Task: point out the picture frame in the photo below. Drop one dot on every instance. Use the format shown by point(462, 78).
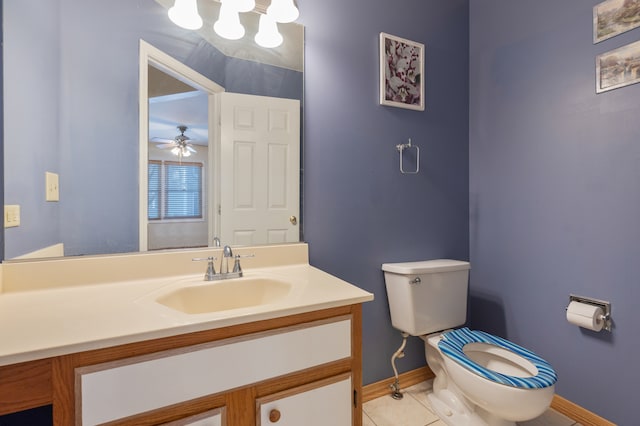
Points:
point(614, 17)
point(401, 72)
point(618, 68)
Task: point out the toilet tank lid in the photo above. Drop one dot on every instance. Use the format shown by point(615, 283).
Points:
point(426, 266)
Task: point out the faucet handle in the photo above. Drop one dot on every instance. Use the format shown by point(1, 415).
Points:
point(236, 263)
point(202, 259)
point(211, 269)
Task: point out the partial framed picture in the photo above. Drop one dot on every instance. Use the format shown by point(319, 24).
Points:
point(613, 17)
point(618, 68)
point(401, 72)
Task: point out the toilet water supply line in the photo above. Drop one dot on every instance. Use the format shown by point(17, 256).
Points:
point(395, 387)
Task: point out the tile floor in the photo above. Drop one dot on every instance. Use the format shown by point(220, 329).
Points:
point(414, 410)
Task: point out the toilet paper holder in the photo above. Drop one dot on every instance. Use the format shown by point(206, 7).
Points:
point(606, 308)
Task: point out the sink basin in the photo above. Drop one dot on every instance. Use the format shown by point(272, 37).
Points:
point(225, 295)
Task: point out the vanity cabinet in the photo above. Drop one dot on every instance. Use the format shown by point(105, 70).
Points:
point(293, 370)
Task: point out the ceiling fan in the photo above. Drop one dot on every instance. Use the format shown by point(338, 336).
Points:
point(179, 145)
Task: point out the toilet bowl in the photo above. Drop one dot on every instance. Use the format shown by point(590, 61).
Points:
point(487, 380)
point(480, 379)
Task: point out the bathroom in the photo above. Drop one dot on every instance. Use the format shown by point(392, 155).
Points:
point(525, 171)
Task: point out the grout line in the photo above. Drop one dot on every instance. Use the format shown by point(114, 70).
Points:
point(406, 394)
point(364, 413)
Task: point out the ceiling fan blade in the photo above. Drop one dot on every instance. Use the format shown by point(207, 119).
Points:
point(166, 146)
point(165, 140)
point(191, 148)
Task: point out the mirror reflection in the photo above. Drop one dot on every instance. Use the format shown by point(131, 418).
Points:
point(178, 163)
point(71, 108)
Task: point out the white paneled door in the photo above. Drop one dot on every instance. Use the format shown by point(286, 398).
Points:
point(259, 169)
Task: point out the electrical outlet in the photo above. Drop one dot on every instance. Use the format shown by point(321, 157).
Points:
point(11, 216)
point(51, 182)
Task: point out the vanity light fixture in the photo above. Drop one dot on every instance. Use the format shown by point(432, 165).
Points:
point(244, 5)
point(228, 24)
point(283, 11)
point(184, 13)
point(268, 35)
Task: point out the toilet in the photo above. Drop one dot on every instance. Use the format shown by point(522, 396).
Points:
point(480, 379)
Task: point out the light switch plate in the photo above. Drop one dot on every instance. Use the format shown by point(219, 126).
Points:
point(53, 192)
point(11, 215)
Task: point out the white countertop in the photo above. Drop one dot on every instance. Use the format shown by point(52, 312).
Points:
point(48, 322)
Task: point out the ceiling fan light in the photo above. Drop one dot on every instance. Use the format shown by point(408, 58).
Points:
point(186, 153)
point(228, 24)
point(283, 11)
point(175, 151)
point(184, 13)
point(268, 35)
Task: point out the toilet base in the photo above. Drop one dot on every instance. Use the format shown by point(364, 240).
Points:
point(454, 412)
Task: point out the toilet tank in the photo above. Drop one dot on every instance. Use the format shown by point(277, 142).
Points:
point(427, 296)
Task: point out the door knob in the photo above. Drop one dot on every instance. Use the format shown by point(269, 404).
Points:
point(293, 220)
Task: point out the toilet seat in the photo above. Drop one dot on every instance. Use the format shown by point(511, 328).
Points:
point(453, 341)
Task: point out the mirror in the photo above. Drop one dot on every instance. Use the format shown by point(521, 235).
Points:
point(71, 90)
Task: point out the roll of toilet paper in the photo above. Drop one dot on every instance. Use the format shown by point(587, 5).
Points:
point(585, 315)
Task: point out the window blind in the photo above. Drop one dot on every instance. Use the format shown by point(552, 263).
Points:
point(175, 190)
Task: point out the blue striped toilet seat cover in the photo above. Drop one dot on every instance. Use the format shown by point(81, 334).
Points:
point(453, 341)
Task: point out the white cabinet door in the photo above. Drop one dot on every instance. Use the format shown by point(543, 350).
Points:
point(327, 402)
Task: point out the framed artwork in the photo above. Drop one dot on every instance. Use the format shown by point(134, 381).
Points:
point(613, 17)
point(401, 72)
point(618, 68)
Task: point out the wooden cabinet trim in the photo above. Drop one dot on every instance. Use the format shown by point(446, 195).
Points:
point(25, 385)
point(174, 413)
point(356, 353)
point(182, 422)
point(300, 389)
point(63, 390)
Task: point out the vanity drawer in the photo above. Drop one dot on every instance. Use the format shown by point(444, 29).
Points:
point(118, 389)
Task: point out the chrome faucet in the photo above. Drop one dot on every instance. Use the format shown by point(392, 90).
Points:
point(224, 262)
point(224, 273)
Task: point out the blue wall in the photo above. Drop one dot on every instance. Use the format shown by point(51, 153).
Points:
point(33, 140)
point(554, 195)
point(359, 210)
